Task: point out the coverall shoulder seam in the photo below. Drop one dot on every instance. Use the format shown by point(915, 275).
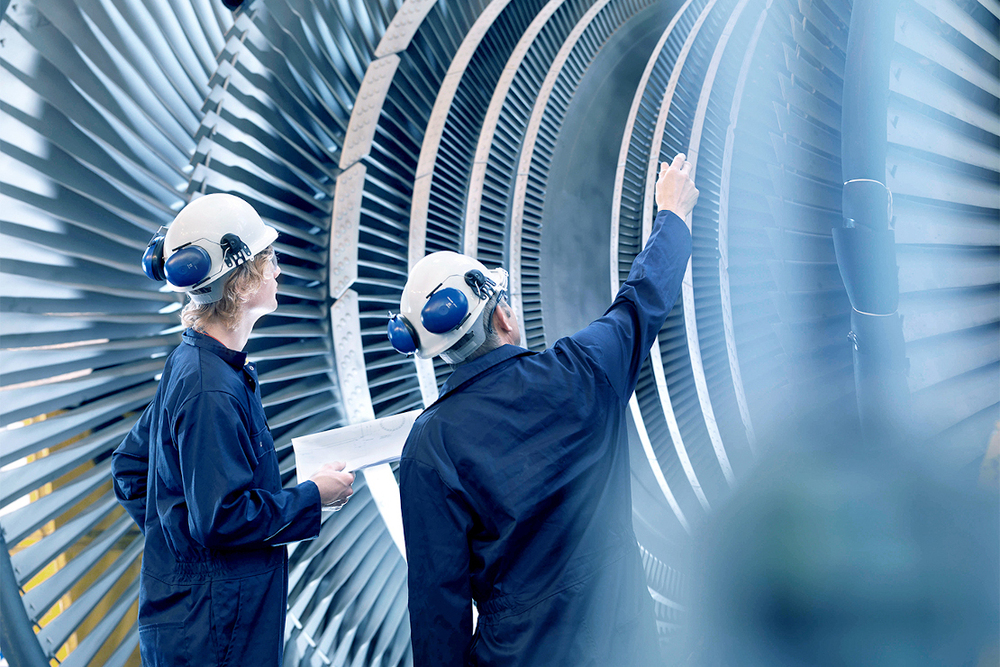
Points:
point(434, 470)
point(593, 362)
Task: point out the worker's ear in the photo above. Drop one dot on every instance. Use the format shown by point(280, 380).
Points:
point(505, 324)
point(503, 318)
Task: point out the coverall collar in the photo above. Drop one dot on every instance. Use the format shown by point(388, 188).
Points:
point(467, 372)
point(235, 359)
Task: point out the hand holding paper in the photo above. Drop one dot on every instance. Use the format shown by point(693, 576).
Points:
point(358, 445)
point(334, 484)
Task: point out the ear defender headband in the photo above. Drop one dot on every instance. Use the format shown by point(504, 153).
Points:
point(447, 309)
point(189, 264)
point(402, 335)
point(152, 257)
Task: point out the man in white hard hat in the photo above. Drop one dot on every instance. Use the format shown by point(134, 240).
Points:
point(198, 472)
point(515, 483)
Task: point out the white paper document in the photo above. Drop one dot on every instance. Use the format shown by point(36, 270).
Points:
point(358, 445)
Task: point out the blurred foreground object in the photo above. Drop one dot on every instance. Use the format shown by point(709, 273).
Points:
point(836, 556)
point(989, 471)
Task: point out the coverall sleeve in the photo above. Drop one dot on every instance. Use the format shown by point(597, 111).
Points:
point(227, 507)
point(130, 469)
point(436, 524)
point(619, 340)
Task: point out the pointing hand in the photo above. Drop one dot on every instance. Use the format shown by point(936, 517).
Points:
point(675, 190)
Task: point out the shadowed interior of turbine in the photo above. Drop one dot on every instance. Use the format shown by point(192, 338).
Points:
point(524, 132)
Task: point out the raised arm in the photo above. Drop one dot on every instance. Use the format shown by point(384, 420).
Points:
point(619, 341)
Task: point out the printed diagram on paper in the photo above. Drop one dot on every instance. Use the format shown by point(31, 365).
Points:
point(358, 445)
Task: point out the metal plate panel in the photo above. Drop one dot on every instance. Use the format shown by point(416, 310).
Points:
point(367, 109)
point(346, 221)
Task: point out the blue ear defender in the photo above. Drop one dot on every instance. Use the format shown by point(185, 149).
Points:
point(188, 266)
point(445, 309)
point(402, 335)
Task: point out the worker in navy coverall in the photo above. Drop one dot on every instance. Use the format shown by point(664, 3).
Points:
point(198, 471)
point(515, 483)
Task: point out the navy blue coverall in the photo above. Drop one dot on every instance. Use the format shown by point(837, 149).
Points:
point(199, 474)
point(516, 493)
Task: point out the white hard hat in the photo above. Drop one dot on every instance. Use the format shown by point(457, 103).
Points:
point(210, 237)
point(442, 302)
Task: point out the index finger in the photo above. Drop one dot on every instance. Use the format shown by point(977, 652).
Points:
point(678, 161)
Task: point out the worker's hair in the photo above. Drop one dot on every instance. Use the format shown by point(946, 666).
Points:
point(492, 341)
point(241, 283)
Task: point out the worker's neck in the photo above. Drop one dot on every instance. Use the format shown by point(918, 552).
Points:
point(236, 338)
point(511, 337)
